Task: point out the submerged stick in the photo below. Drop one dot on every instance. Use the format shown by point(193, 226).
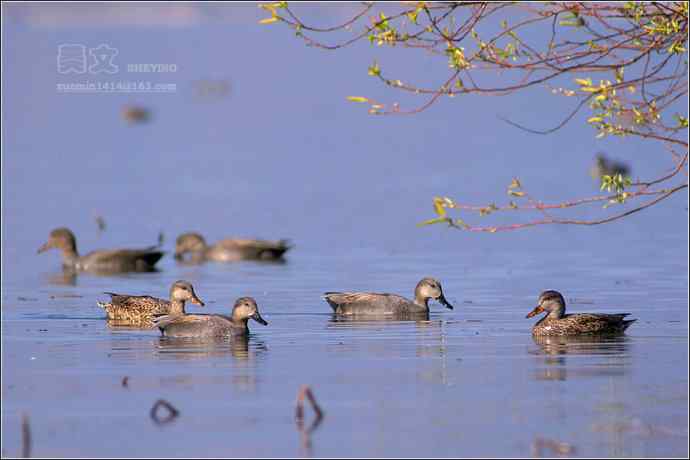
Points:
point(299, 410)
point(26, 437)
point(305, 435)
point(560, 448)
point(172, 412)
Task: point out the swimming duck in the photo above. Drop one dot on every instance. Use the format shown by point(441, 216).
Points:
point(556, 322)
point(212, 325)
point(141, 308)
point(228, 250)
point(366, 303)
point(117, 260)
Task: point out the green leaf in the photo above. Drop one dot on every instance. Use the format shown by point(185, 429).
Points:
point(357, 99)
point(436, 220)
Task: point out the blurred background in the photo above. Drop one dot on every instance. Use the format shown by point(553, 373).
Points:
point(257, 139)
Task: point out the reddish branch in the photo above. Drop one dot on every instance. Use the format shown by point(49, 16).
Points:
point(639, 50)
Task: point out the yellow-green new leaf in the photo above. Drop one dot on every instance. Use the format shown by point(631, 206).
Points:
point(436, 220)
point(439, 208)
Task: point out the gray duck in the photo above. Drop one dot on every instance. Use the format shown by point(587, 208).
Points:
point(203, 326)
point(116, 260)
point(374, 304)
point(228, 250)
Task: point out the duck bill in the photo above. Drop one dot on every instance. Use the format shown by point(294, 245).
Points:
point(538, 309)
point(197, 300)
point(444, 302)
point(43, 248)
point(257, 317)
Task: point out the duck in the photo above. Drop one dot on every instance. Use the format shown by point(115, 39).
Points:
point(228, 250)
point(206, 326)
point(556, 322)
point(115, 260)
point(140, 309)
point(375, 304)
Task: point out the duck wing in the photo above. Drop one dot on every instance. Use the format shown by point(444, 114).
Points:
point(133, 308)
point(592, 323)
point(254, 249)
point(121, 260)
point(354, 303)
point(142, 302)
point(192, 325)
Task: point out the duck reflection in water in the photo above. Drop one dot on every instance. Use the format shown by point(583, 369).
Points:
point(420, 319)
point(554, 350)
point(241, 348)
point(65, 277)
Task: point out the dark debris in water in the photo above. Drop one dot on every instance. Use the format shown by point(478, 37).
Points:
point(26, 437)
point(66, 296)
point(26, 299)
point(125, 382)
point(172, 412)
point(539, 445)
point(305, 434)
point(305, 391)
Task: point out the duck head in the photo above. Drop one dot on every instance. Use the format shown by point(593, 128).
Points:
point(60, 238)
point(183, 291)
point(551, 302)
point(245, 308)
point(189, 242)
point(430, 288)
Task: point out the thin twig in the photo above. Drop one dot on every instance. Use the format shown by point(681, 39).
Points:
point(299, 409)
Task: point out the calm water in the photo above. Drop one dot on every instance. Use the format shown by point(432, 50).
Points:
point(469, 382)
point(348, 191)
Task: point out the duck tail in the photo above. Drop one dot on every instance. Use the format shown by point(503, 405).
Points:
point(327, 298)
point(627, 323)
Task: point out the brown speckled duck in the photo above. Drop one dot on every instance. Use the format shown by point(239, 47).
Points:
point(212, 325)
point(228, 250)
point(140, 309)
point(117, 260)
point(556, 322)
point(373, 304)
